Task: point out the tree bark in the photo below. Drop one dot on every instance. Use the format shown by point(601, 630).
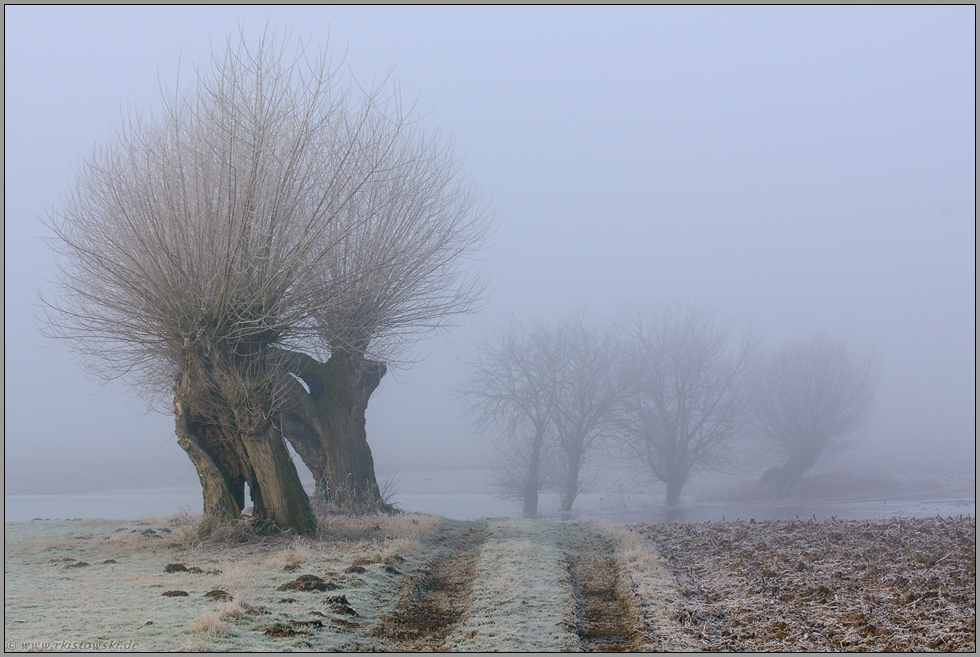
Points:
point(278, 489)
point(222, 502)
point(349, 382)
point(303, 428)
point(327, 426)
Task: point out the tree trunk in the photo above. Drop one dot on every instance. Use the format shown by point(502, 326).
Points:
point(303, 428)
point(350, 380)
point(568, 495)
point(781, 481)
point(531, 488)
point(674, 487)
point(533, 484)
point(569, 491)
point(222, 502)
point(327, 426)
point(277, 490)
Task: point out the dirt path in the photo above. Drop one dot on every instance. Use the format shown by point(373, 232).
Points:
point(433, 601)
point(506, 584)
point(604, 621)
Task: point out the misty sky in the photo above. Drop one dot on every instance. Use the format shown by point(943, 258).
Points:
point(802, 169)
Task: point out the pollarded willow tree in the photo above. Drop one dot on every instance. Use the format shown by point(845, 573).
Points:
point(808, 399)
point(688, 402)
point(401, 270)
point(193, 247)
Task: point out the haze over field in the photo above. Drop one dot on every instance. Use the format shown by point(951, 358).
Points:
point(802, 170)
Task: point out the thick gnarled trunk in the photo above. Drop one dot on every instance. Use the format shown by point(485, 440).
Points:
point(227, 458)
point(326, 426)
point(277, 486)
point(349, 382)
point(222, 499)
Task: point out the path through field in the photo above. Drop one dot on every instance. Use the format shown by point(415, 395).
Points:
point(507, 584)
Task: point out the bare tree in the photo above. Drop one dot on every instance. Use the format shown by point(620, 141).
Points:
point(401, 269)
point(191, 246)
point(550, 392)
point(808, 399)
point(591, 389)
point(688, 400)
point(513, 391)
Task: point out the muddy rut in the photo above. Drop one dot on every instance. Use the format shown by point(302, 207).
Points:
point(438, 599)
point(434, 600)
point(604, 621)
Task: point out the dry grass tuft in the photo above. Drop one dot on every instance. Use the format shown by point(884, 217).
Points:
point(231, 610)
point(294, 555)
point(378, 528)
point(649, 588)
point(209, 623)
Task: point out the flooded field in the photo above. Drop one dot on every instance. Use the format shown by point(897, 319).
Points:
point(464, 493)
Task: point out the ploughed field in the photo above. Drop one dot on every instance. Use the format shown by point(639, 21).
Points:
point(419, 582)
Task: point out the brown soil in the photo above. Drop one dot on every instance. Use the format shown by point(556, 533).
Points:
point(306, 583)
point(218, 595)
point(279, 631)
point(603, 621)
point(897, 584)
point(433, 601)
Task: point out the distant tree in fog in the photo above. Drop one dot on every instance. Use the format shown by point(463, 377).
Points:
point(591, 389)
point(550, 393)
point(688, 403)
point(513, 392)
point(807, 399)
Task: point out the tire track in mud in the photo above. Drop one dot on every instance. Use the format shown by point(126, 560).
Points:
point(433, 601)
point(604, 621)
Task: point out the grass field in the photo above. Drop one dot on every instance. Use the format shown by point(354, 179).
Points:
point(420, 582)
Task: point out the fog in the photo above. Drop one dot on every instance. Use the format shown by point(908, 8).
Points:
point(802, 170)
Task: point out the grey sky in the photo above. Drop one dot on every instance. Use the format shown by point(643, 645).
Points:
point(803, 169)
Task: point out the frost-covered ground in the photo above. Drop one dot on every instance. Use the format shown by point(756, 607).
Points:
point(101, 584)
point(420, 582)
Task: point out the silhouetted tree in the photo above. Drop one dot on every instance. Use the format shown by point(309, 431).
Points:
point(194, 246)
point(687, 404)
point(513, 391)
point(591, 389)
point(808, 399)
point(550, 392)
